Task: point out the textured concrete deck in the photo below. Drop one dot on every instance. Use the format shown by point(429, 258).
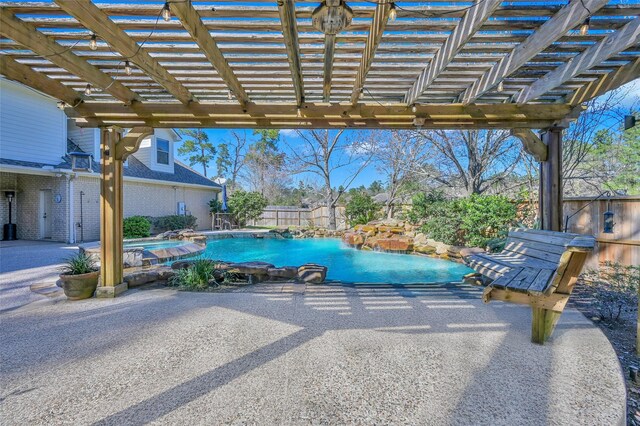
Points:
point(275, 354)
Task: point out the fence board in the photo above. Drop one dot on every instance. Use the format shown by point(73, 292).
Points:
point(285, 216)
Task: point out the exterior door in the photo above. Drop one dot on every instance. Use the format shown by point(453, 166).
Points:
point(46, 208)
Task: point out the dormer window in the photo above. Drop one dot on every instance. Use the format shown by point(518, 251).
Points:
point(162, 151)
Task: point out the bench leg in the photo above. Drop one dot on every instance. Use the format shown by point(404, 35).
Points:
point(544, 321)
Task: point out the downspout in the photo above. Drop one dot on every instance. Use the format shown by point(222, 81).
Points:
point(72, 229)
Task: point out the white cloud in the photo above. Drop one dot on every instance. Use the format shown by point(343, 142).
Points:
point(288, 132)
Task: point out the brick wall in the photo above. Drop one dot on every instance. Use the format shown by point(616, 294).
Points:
point(140, 198)
point(28, 206)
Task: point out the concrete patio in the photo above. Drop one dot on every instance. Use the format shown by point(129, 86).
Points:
point(290, 354)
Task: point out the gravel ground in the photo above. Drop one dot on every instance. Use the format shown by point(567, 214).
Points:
point(622, 335)
point(295, 355)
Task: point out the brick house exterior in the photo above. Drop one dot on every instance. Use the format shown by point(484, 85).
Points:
point(35, 142)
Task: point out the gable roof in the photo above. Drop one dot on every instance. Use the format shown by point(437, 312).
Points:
point(135, 169)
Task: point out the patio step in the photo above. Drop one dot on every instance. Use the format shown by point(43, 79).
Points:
point(47, 289)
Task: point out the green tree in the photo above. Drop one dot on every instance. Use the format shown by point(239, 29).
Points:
point(223, 161)
point(198, 148)
point(265, 163)
point(245, 206)
point(361, 209)
point(376, 187)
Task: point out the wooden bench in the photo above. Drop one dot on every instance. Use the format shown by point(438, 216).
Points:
point(537, 268)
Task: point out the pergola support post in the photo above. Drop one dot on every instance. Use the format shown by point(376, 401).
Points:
point(114, 150)
point(550, 212)
point(111, 215)
point(550, 199)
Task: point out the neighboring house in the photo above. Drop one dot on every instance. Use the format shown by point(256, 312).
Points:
point(55, 203)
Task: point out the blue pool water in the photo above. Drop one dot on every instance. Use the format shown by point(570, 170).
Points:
point(344, 263)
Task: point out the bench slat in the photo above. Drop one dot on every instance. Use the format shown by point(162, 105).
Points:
point(517, 261)
point(549, 248)
point(532, 253)
point(541, 282)
point(546, 239)
point(506, 278)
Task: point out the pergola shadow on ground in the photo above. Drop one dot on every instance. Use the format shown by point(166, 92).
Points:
point(290, 354)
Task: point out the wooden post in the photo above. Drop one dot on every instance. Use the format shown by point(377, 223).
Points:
point(114, 150)
point(550, 213)
point(110, 215)
point(550, 198)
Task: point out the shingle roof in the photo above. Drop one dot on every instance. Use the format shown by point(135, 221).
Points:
point(135, 169)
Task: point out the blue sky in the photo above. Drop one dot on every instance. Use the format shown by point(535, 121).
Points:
point(368, 175)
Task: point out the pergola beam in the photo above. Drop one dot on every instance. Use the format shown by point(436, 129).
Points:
point(93, 18)
point(378, 24)
point(613, 44)
point(531, 143)
point(192, 22)
point(28, 36)
point(329, 52)
point(287, 11)
point(567, 18)
point(471, 22)
point(606, 83)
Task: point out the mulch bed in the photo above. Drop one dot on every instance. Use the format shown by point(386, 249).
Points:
point(622, 335)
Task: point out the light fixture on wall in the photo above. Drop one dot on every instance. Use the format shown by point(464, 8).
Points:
point(10, 231)
point(61, 105)
point(80, 161)
point(629, 121)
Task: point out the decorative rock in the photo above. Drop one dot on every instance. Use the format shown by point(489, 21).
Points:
point(424, 249)
point(145, 276)
point(391, 229)
point(251, 268)
point(395, 244)
point(287, 272)
point(181, 264)
point(312, 273)
point(353, 239)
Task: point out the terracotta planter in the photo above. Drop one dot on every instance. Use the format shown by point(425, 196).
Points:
point(78, 287)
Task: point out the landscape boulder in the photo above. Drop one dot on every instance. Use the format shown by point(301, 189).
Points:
point(284, 272)
point(397, 244)
point(354, 239)
point(312, 273)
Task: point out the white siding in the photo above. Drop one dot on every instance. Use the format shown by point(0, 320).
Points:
point(147, 153)
point(32, 128)
point(87, 139)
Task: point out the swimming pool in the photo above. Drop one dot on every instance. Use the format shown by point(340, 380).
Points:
point(345, 263)
point(154, 245)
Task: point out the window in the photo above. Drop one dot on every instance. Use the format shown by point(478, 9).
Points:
point(162, 151)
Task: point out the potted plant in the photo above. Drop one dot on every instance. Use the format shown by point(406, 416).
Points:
point(79, 276)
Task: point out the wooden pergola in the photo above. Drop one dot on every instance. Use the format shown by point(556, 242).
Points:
point(265, 64)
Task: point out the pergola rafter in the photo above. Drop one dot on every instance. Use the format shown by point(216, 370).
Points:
point(567, 18)
point(469, 24)
point(290, 34)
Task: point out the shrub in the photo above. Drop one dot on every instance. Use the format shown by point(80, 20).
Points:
point(472, 221)
point(246, 206)
point(198, 276)
point(614, 288)
point(215, 206)
point(361, 209)
point(78, 264)
point(485, 217)
point(174, 222)
point(136, 227)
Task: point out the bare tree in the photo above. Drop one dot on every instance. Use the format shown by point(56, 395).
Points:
point(231, 157)
point(579, 174)
point(265, 164)
point(323, 153)
point(397, 156)
point(471, 160)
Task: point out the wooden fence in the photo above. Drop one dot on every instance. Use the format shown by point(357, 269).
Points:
point(623, 245)
point(284, 216)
